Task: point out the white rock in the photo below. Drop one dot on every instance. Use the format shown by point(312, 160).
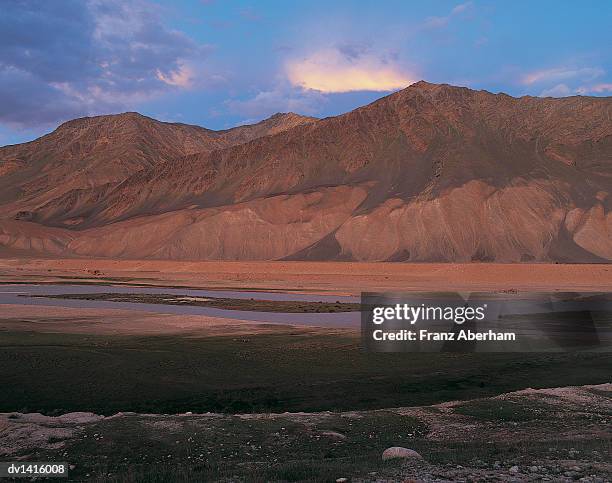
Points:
point(333, 435)
point(399, 452)
point(514, 469)
point(341, 480)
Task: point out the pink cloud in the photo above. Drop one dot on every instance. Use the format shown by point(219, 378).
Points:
point(558, 74)
point(597, 88)
point(181, 77)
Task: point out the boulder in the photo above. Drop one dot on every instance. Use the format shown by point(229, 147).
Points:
point(399, 452)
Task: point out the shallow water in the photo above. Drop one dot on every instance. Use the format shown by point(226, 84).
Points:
point(19, 294)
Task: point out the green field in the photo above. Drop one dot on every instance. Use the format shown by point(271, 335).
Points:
point(284, 371)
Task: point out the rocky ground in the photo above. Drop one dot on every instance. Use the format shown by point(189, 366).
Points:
point(559, 434)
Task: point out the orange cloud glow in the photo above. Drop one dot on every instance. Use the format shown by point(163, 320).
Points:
point(330, 71)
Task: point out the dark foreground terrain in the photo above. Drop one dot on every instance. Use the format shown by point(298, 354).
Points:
point(558, 434)
point(146, 382)
point(284, 369)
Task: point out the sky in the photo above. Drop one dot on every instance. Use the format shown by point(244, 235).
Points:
point(219, 63)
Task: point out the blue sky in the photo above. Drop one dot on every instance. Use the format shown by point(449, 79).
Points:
point(221, 63)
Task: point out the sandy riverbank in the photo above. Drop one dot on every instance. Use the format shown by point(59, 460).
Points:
point(332, 277)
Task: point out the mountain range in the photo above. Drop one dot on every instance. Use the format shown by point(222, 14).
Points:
point(429, 173)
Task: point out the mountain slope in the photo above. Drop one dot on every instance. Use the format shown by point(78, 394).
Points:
point(85, 158)
point(418, 142)
point(430, 173)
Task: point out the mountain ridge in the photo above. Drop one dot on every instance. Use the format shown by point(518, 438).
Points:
point(100, 152)
point(429, 173)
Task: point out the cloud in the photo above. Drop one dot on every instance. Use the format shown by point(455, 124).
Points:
point(346, 69)
point(249, 13)
point(60, 60)
point(439, 22)
point(560, 90)
point(462, 7)
point(280, 99)
point(595, 89)
point(182, 77)
point(567, 81)
point(558, 74)
point(481, 41)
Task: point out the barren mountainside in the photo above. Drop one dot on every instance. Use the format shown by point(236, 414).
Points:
point(429, 173)
point(95, 154)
